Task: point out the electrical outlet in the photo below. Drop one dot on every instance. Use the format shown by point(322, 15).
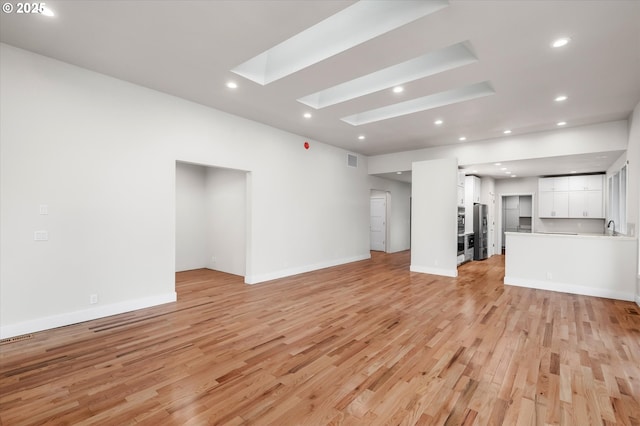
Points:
point(549, 276)
point(213, 259)
point(93, 299)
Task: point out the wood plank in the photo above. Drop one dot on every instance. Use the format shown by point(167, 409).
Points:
point(363, 343)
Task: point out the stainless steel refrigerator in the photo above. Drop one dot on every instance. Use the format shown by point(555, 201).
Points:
point(480, 231)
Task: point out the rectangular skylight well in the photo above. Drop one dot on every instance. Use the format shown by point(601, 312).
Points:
point(422, 66)
point(350, 27)
point(424, 103)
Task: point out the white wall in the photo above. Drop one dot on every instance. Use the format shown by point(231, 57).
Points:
point(226, 220)
point(191, 217)
point(399, 220)
point(434, 217)
point(101, 153)
point(603, 137)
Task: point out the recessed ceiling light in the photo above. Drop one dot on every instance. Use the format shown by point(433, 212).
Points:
point(561, 123)
point(438, 122)
point(398, 173)
point(497, 164)
point(503, 168)
point(361, 137)
point(573, 171)
point(507, 172)
point(232, 85)
point(47, 12)
point(506, 132)
point(462, 138)
point(560, 98)
point(514, 175)
point(561, 42)
point(474, 171)
point(398, 89)
point(307, 115)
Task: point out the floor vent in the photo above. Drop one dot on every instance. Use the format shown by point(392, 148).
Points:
point(352, 160)
point(15, 339)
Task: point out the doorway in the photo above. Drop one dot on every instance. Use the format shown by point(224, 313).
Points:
point(211, 218)
point(379, 204)
point(516, 215)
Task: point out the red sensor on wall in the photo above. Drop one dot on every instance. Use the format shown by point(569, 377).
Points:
point(306, 145)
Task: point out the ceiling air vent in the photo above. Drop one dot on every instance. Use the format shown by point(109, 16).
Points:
point(352, 160)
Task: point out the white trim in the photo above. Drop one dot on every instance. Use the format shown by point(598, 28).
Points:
point(68, 318)
point(255, 279)
point(638, 300)
point(434, 271)
point(568, 288)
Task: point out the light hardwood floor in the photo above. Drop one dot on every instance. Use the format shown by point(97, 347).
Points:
point(364, 343)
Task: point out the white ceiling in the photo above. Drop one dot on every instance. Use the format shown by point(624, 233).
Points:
point(188, 49)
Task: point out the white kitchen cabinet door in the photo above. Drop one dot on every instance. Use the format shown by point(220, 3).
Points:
point(586, 183)
point(553, 204)
point(577, 183)
point(476, 189)
point(545, 204)
point(525, 206)
point(460, 196)
point(461, 179)
point(595, 204)
point(553, 184)
point(512, 202)
point(561, 203)
point(586, 204)
point(577, 204)
point(512, 220)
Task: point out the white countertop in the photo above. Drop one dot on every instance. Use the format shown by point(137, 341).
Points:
point(572, 235)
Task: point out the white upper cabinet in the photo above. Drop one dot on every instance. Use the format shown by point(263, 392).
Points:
point(586, 204)
point(553, 204)
point(475, 183)
point(461, 179)
point(578, 197)
point(586, 183)
point(553, 184)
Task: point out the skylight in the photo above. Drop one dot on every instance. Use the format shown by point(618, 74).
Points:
point(436, 100)
point(422, 66)
point(350, 27)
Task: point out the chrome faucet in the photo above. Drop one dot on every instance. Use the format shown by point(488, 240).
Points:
point(614, 226)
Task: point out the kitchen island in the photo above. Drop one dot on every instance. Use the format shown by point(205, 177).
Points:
point(593, 265)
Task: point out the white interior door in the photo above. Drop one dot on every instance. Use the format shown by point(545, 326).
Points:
point(378, 225)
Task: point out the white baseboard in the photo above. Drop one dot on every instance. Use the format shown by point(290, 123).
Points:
point(638, 300)
point(68, 318)
point(569, 288)
point(434, 271)
point(259, 278)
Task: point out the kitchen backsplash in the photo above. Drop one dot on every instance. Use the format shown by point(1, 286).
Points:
point(578, 226)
